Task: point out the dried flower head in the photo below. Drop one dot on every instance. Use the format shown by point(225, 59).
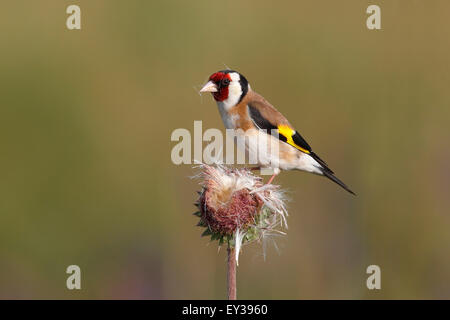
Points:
point(236, 207)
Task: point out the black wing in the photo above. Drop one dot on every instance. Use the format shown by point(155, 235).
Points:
point(285, 133)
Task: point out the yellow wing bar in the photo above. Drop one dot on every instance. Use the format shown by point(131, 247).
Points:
point(288, 132)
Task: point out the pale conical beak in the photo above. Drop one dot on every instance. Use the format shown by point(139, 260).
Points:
point(209, 87)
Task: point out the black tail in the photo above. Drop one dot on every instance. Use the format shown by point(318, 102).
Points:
point(332, 177)
point(327, 172)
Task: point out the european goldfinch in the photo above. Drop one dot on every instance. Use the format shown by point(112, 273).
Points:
point(242, 108)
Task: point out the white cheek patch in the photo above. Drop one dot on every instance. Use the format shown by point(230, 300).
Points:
point(234, 91)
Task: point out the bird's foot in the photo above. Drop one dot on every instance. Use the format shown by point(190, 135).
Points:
point(271, 178)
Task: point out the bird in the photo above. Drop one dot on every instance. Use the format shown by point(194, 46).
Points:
point(247, 112)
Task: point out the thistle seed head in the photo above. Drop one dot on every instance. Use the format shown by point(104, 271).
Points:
point(236, 207)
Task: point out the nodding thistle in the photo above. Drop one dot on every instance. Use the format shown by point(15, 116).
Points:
point(235, 207)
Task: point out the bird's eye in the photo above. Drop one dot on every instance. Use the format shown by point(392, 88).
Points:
point(225, 82)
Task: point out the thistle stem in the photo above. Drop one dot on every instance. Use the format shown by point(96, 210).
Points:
point(231, 274)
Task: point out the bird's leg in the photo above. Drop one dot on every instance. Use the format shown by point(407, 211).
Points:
point(271, 178)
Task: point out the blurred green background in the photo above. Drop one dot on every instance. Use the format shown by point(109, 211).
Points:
point(86, 117)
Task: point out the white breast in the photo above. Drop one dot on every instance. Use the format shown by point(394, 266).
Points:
point(267, 151)
point(228, 120)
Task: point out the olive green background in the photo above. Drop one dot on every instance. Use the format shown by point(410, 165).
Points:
point(86, 176)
